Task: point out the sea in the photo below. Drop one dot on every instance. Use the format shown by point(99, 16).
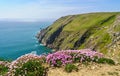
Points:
point(18, 38)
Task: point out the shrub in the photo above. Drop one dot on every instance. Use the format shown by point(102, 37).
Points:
point(105, 60)
point(31, 68)
point(23, 59)
point(29, 61)
point(58, 63)
point(3, 69)
point(70, 68)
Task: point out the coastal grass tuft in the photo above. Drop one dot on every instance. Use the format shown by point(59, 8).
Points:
point(3, 70)
point(70, 67)
point(106, 60)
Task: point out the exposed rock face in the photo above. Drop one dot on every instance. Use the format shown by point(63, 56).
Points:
point(98, 31)
point(41, 34)
point(114, 46)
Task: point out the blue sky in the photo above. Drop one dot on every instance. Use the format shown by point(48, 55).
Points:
point(32, 10)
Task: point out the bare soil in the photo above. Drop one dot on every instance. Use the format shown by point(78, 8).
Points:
point(88, 70)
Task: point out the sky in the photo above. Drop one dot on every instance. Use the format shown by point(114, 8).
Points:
point(33, 10)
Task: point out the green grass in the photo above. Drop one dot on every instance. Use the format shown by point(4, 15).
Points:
point(106, 60)
point(117, 28)
point(70, 67)
point(3, 70)
point(86, 21)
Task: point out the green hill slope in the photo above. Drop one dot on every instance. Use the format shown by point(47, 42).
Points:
point(98, 31)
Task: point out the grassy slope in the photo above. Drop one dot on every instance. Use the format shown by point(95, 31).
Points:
point(88, 22)
point(84, 31)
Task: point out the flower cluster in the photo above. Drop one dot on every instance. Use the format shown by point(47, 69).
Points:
point(22, 60)
point(68, 56)
point(58, 58)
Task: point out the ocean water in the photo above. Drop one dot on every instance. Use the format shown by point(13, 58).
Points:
point(18, 38)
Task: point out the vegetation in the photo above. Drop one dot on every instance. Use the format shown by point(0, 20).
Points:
point(106, 60)
point(31, 68)
point(35, 65)
point(70, 68)
point(71, 56)
point(113, 73)
point(3, 69)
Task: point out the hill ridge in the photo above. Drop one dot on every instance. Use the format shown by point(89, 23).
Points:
point(97, 31)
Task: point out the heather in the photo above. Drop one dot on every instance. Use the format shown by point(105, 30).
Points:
point(32, 64)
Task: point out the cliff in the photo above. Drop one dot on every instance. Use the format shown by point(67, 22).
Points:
point(97, 31)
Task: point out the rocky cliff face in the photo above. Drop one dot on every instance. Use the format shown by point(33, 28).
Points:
point(98, 31)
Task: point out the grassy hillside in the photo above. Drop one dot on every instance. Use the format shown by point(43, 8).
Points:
point(98, 31)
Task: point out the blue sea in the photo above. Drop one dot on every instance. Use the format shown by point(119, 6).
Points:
point(18, 38)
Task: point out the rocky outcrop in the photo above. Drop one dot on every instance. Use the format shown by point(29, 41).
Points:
point(41, 34)
point(54, 35)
